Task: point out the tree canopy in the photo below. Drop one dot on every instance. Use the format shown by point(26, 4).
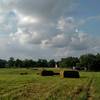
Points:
point(89, 61)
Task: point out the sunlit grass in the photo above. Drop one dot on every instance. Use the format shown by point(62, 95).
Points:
point(32, 86)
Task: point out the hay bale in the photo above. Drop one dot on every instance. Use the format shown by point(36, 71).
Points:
point(56, 73)
point(69, 74)
point(47, 73)
point(23, 73)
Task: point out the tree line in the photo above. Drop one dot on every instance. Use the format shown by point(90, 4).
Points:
point(89, 61)
point(27, 63)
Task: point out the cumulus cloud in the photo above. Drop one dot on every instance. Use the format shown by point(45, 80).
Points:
point(25, 20)
point(77, 41)
point(67, 40)
point(80, 43)
point(44, 26)
point(44, 8)
point(59, 41)
point(66, 24)
point(26, 37)
point(8, 23)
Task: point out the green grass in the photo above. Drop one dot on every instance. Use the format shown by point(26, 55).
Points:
point(32, 86)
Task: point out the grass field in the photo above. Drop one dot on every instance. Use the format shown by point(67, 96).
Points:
point(32, 86)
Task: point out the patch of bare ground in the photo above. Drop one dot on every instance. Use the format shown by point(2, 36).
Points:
point(85, 90)
point(76, 92)
point(89, 95)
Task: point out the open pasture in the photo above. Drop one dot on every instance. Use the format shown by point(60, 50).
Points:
point(32, 86)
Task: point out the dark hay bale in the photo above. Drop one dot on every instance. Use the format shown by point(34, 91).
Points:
point(69, 74)
point(47, 73)
point(56, 73)
point(23, 73)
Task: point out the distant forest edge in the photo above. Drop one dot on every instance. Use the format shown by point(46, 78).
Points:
point(89, 61)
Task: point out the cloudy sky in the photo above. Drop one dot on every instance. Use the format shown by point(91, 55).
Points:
point(49, 28)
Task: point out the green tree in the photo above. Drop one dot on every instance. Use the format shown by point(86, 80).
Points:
point(51, 63)
point(88, 61)
point(11, 62)
point(3, 63)
point(69, 62)
point(18, 63)
point(42, 63)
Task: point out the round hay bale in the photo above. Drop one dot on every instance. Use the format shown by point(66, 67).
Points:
point(56, 73)
point(47, 73)
point(23, 73)
point(69, 74)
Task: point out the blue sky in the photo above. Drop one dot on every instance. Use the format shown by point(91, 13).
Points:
point(49, 28)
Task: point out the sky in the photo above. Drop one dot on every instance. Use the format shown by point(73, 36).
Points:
point(50, 29)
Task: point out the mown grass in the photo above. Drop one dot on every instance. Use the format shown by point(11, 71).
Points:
point(14, 86)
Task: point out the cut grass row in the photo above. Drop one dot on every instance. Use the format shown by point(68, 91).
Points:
point(14, 86)
point(50, 88)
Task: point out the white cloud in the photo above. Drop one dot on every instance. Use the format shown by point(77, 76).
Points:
point(66, 24)
point(59, 41)
point(69, 40)
point(79, 44)
point(81, 41)
point(25, 20)
point(43, 26)
point(44, 9)
point(6, 5)
point(26, 37)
